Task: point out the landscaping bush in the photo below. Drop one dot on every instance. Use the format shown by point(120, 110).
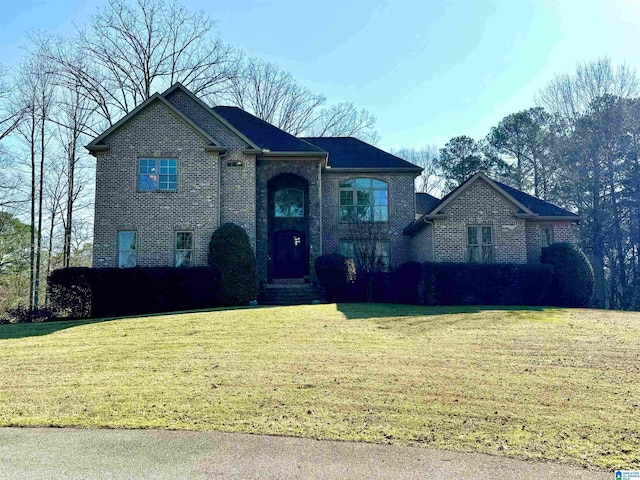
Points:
point(335, 274)
point(69, 292)
point(407, 281)
point(484, 284)
point(22, 314)
point(113, 292)
point(573, 280)
point(231, 253)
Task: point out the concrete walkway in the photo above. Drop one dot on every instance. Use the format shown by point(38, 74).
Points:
point(43, 453)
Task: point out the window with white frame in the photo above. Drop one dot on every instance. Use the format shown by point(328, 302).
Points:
point(480, 243)
point(184, 249)
point(372, 254)
point(158, 174)
point(364, 200)
point(127, 249)
point(546, 236)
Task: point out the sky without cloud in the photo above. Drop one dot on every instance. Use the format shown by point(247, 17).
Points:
point(428, 69)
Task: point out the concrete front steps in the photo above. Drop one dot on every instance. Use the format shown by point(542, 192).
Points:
point(288, 294)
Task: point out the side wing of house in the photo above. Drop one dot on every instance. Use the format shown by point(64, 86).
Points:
point(488, 222)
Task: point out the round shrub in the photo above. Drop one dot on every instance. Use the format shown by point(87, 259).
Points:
point(573, 280)
point(230, 251)
point(335, 273)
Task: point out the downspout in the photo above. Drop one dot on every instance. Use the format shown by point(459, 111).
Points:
point(219, 214)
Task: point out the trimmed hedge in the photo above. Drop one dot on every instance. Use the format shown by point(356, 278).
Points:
point(484, 284)
point(335, 274)
point(230, 251)
point(113, 292)
point(407, 282)
point(573, 280)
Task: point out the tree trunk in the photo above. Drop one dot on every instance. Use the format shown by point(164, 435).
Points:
point(32, 252)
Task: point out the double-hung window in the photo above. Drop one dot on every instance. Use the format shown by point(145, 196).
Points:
point(364, 200)
point(184, 249)
point(158, 174)
point(127, 249)
point(480, 243)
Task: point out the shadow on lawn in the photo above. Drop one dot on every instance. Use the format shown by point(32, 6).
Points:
point(23, 330)
point(391, 310)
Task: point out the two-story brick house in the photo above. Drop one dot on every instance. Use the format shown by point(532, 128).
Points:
point(174, 169)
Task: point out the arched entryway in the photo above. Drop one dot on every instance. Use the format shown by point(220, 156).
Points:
point(288, 227)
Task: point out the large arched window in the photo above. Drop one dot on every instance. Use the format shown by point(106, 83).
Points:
point(288, 203)
point(364, 200)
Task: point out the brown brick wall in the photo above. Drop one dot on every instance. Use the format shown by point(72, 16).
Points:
point(480, 204)
point(238, 183)
point(422, 245)
point(156, 132)
point(401, 212)
point(562, 232)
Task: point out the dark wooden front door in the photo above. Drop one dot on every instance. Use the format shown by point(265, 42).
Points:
point(289, 254)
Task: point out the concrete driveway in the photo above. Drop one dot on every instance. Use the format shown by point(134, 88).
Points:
point(45, 453)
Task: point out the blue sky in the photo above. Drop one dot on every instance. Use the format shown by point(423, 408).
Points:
point(429, 70)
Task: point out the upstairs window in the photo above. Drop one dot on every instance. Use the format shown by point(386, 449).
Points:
point(184, 249)
point(364, 200)
point(289, 203)
point(127, 249)
point(480, 243)
point(158, 174)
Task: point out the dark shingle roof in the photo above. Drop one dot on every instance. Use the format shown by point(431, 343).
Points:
point(425, 203)
point(349, 152)
point(262, 133)
point(536, 205)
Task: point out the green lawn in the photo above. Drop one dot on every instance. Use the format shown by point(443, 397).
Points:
point(528, 383)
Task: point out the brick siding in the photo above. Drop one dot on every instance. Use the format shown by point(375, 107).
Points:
point(157, 132)
point(422, 245)
point(402, 211)
point(563, 231)
point(480, 204)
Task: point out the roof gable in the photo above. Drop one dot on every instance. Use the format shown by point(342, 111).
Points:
point(209, 111)
point(470, 181)
point(352, 153)
point(98, 143)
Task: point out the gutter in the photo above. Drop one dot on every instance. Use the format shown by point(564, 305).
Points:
point(372, 170)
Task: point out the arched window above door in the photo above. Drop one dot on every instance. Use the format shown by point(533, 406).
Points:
point(288, 203)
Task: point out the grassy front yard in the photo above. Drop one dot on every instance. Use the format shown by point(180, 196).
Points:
point(543, 383)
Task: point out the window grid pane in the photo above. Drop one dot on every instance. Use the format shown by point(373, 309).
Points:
point(472, 235)
point(486, 236)
point(480, 247)
point(127, 249)
point(370, 197)
point(158, 174)
point(184, 249)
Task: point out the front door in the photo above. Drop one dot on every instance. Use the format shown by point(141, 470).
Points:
point(289, 254)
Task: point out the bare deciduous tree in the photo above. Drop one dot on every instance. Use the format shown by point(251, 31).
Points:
point(345, 120)
point(130, 50)
point(272, 94)
point(430, 180)
point(570, 95)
